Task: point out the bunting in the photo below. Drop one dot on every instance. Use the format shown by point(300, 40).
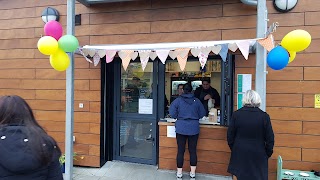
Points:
point(125, 56)
point(199, 49)
point(163, 55)
point(110, 55)
point(267, 43)
point(223, 52)
point(182, 56)
point(244, 48)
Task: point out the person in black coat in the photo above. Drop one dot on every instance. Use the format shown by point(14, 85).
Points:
point(251, 140)
point(26, 151)
point(206, 92)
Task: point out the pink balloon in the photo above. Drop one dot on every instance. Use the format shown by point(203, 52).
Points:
point(53, 29)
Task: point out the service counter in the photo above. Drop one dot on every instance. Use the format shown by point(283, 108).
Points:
point(213, 150)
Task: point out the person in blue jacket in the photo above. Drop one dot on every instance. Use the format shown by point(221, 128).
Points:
point(187, 109)
point(27, 152)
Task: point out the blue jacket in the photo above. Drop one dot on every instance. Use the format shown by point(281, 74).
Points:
point(187, 110)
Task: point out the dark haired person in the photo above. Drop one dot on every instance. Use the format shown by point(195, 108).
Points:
point(206, 92)
point(27, 152)
point(180, 91)
point(187, 109)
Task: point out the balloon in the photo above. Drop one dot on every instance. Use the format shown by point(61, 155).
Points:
point(60, 60)
point(47, 45)
point(292, 55)
point(278, 58)
point(53, 29)
point(68, 43)
point(297, 40)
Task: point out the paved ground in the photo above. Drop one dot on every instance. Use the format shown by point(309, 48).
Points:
point(116, 170)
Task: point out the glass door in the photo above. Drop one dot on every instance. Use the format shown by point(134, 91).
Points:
point(135, 117)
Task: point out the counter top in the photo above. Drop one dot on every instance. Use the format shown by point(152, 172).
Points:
point(201, 125)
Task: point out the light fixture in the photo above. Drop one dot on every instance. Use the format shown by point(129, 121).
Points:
point(284, 5)
point(50, 14)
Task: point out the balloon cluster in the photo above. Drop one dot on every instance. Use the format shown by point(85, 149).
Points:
point(56, 46)
point(295, 41)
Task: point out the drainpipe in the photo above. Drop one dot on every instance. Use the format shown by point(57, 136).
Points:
point(261, 53)
point(249, 2)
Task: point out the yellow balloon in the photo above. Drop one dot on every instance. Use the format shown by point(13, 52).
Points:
point(297, 40)
point(60, 60)
point(292, 55)
point(47, 45)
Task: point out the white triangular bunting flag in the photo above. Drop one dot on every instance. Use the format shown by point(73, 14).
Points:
point(92, 52)
point(244, 48)
point(205, 50)
point(125, 56)
point(162, 55)
point(144, 62)
point(195, 52)
point(85, 52)
point(85, 56)
point(101, 53)
point(96, 59)
point(153, 55)
point(144, 54)
point(233, 47)
point(134, 55)
point(216, 49)
point(173, 54)
point(202, 59)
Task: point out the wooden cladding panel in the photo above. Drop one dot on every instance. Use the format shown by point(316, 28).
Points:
point(289, 154)
point(311, 128)
point(311, 155)
point(157, 37)
point(288, 127)
point(288, 73)
point(284, 100)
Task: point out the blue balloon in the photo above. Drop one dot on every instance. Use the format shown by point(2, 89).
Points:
point(278, 58)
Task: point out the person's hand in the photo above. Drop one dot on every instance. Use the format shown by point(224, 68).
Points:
point(208, 96)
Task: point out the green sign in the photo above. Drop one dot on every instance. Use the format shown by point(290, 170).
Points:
point(239, 101)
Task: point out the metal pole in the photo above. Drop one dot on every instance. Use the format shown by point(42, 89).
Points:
point(69, 95)
point(261, 53)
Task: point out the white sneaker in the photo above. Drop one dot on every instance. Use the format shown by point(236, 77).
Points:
point(192, 175)
point(179, 175)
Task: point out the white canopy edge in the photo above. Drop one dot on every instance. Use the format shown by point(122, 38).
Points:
point(168, 46)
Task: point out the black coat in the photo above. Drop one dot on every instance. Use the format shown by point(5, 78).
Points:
point(17, 162)
point(251, 140)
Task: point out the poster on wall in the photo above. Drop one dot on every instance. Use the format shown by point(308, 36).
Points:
point(145, 106)
point(317, 101)
point(244, 84)
point(171, 131)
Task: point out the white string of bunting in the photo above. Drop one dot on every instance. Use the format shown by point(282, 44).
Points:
point(179, 51)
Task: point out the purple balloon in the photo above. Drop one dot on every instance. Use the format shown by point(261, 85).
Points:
point(53, 29)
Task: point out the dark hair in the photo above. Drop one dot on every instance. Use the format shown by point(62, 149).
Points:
point(180, 85)
point(206, 80)
point(14, 110)
point(187, 88)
